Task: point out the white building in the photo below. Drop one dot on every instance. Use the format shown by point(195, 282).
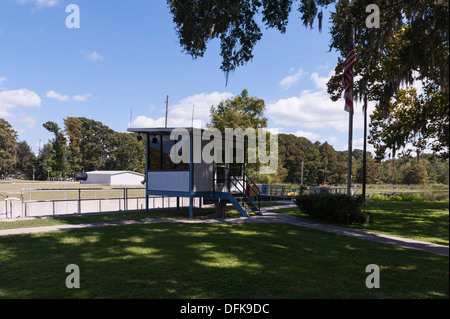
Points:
point(114, 178)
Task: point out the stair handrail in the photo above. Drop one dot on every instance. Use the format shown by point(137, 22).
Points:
point(230, 174)
point(252, 187)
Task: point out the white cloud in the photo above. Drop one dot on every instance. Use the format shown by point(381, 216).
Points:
point(180, 114)
point(57, 96)
point(27, 120)
point(288, 81)
point(309, 135)
point(333, 139)
point(144, 121)
point(309, 110)
point(11, 99)
point(2, 79)
point(274, 130)
point(321, 82)
point(82, 98)
point(359, 144)
point(315, 110)
point(41, 3)
point(325, 66)
point(94, 56)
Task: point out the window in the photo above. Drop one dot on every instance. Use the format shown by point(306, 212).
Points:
point(154, 152)
point(220, 177)
point(182, 166)
point(167, 143)
point(159, 147)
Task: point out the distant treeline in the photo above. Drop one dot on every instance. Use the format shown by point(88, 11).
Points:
point(85, 145)
point(323, 165)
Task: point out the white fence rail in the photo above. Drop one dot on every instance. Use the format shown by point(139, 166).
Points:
point(54, 202)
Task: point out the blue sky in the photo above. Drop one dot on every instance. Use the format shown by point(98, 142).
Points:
point(125, 59)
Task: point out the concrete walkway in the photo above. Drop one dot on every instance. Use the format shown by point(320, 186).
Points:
point(268, 217)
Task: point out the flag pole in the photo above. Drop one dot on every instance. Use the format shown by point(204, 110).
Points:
point(348, 85)
point(365, 149)
point(350, 139)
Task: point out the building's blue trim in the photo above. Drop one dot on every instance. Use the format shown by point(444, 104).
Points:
point(169, 193)
point(146, 170)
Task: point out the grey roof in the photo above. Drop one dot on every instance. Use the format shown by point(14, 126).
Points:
point(159, 130)
point(112, 173)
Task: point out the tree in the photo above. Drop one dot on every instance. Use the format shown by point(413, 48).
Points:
point(292, 151)
point(74, 135)
point(328, 164)
point(8, 148)
point(90, 142)
point(59, 148)
point(44, 162)
point(414, 173)
point(437, 168)
point(410, 45)
point(412, 38)
point(25, 159)
point(372, 167)
point(128, 154)
point(94, 146)
point(233, 22)
point(405, 124)
point(242, 111)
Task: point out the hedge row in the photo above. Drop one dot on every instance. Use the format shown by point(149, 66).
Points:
point(333, 208)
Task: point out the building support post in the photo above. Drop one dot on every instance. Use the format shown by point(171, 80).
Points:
point(191, 175)
point(191, 206)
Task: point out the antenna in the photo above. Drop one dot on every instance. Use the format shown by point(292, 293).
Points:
point(167, 108)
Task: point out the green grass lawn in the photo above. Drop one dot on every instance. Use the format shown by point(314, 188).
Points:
point(205, 212)
point(426, 221)
point(253, 261)
point(239, 261)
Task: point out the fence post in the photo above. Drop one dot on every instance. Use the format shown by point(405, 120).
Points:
point(79, 201)
point(21, 206)
point(125, 199)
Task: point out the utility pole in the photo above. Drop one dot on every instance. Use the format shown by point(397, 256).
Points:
point(167, 108)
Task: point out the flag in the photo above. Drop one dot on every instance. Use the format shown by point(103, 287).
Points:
point(348, 77)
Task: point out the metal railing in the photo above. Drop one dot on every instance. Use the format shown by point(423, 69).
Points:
point(239, 185)
point(76, 201)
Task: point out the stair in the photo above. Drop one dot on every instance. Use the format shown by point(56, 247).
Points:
point(239, 198)
point(246, 203)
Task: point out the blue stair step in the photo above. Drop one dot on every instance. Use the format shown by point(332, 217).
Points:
point(243, 200)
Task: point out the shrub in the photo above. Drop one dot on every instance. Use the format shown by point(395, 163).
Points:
point(413, 197)
point(333, 208)
point(400, 197)
point(380, 196)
